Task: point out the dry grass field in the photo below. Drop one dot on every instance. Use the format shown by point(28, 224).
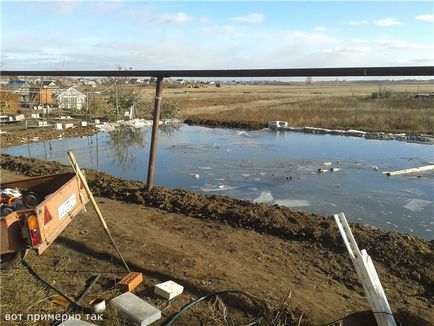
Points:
point(342, 105)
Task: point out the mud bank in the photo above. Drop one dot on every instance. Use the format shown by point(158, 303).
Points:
point(254, 125)
point(407, 257)
point(19, 137)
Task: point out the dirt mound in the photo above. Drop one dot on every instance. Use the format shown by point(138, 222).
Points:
point(246, 125)
point(407, 257)
point(18, 137)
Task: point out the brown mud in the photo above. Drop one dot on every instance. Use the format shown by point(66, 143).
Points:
point(24, 136)
point(404, 262)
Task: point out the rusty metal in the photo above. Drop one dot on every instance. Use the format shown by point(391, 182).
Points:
point(295, 72)
point(154, 139)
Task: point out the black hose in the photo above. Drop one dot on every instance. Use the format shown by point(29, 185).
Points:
point(209, 296)
point(33, 272)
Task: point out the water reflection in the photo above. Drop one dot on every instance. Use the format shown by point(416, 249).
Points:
point(169, 130)
point(124, 144)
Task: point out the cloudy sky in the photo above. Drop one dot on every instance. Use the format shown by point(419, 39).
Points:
point(215, 35)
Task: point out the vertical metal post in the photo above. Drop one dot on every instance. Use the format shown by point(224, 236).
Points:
point(154, 139)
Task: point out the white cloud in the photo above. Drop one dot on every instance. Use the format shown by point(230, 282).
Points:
point(106, 6)
point(58, 8)
point(426, 18)
point(357, 23)
point(216, 31)
point(299, 37)
point(389, 21)
point(320, 29)
point(253, 18)
point(173, 18)
point(402, 44)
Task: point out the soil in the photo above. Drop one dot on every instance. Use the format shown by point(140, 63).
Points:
point(16, 135)
point(214, 243)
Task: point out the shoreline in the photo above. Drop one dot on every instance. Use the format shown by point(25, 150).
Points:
point(377, 135)
point(407, 275)
point(20, 137)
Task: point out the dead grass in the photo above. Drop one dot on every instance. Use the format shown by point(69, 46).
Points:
point(326, 105)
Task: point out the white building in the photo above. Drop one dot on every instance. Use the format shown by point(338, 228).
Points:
point(71, 99)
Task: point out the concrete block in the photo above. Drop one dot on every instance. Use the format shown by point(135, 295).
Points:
point(42, 123)
point(76, 322)
point(69, 125)
point(58, 126)
point(97, 121)
point(83, 124)
point(136, 309)
point(168, 290)
point(130, 282)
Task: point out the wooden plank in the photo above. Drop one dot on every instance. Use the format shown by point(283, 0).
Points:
point(367, 275)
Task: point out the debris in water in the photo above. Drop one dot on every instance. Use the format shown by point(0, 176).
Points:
point(210, 188)
point(243, 133)
point(322, 171)
point(334, 169)
point(264, 197)
point(291, 202)
point(195, 175)
point(416, 205)
point(375, 168)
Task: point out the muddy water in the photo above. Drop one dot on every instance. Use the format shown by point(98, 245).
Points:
point(272, 167)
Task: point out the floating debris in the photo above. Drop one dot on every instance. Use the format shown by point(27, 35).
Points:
point(211, 188)
point(291, 202)
point(243, 133)
point(416, 205)
point(264, 197)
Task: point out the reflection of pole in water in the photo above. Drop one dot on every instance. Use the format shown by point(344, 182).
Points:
point(51, 150)
point(28, 148)
point(97, 156)
point(90, 151)
point(45, 150)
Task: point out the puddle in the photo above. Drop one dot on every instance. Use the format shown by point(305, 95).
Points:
point(268, 168)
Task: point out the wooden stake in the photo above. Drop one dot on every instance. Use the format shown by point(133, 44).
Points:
point(94, 204)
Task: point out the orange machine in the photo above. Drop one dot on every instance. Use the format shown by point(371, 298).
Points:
point(61, 199)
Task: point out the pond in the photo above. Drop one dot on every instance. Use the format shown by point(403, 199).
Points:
point(272, 167)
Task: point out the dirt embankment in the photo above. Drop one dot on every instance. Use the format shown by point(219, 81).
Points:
point(19, 137)
point(408, 258)
point(257, 125)
point(246, 125)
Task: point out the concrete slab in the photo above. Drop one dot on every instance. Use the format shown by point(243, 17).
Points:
point(136, 309)
point(76, 322)
point(168, 290)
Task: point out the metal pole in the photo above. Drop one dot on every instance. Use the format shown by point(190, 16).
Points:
point(154, 139)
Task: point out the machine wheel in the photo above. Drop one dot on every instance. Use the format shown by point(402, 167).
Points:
point(30, 199)
point(12, 259)
point(5, 210)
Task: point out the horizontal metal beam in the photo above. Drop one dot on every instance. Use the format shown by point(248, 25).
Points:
point(296, 72)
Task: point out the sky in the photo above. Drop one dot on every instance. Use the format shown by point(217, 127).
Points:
point(63, 35)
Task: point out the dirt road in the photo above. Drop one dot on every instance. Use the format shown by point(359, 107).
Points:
point(219, 243)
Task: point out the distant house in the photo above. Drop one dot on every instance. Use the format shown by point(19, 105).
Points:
point(71, 99)
point(49, 84)
point(89, 83)
point(40, 96)
point(24, 94)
